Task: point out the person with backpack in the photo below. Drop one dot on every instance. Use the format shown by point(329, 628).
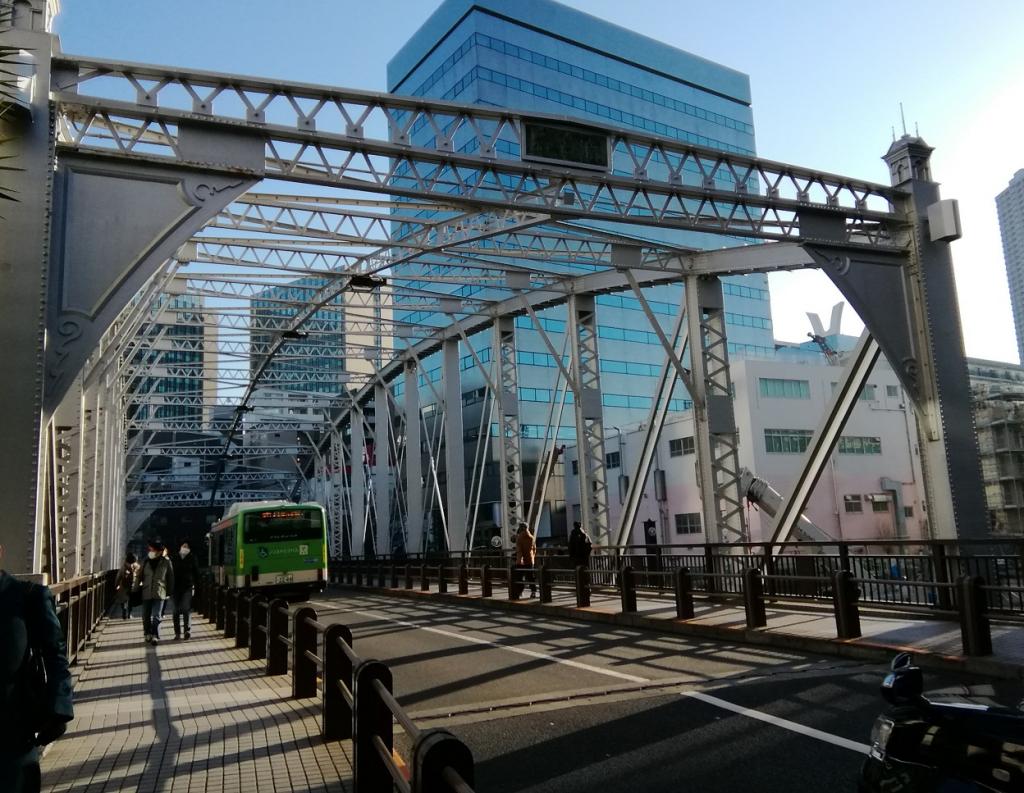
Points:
point(186, 576)
point(580, 546)
point(124, 583)
point(156, 583)
point(35, 683)
point(526, 556)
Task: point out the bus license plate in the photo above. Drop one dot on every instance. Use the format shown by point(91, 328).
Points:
point(284, 578)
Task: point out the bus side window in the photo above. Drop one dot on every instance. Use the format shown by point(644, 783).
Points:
point(229, 545)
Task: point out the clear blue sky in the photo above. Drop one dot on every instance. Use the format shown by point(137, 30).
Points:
point(826, 77)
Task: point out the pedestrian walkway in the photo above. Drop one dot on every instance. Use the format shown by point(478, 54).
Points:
point(188, 717)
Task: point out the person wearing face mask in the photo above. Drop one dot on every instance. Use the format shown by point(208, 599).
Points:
point(186, 576)
point(156, 582)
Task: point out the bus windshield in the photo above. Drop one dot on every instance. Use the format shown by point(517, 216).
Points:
point(283, 525)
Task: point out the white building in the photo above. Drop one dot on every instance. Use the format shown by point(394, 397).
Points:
point(873, 488)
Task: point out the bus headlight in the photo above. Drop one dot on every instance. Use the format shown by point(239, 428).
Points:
point(881, 730)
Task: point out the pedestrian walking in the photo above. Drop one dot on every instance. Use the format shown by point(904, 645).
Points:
point(125, 583)
point(35, 684)
point(580, 546)
point(156, 583)
point(186, 576)
point(526, 555)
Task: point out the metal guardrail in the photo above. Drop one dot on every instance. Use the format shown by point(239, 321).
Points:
point(356, 693)
point(971, 595)
point(81, 603)
point(892, 570)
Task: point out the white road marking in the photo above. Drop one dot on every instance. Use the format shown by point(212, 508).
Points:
point(785, 724)
point(465, 637)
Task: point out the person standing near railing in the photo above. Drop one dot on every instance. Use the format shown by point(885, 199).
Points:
point(526, 555)
point(156, 583)
point(124, 584)
point(35, 683)
point(186, 576)
point(580, 546)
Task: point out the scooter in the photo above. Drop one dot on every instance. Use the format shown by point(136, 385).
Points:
point(925, 745)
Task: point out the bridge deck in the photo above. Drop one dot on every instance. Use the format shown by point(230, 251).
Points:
point(189, 716)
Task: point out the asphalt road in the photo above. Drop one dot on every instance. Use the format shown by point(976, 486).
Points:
point(557, 705)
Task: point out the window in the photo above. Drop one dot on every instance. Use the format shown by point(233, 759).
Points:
point(853, 504)
point(856, 444)
point(776, 388)
point(879, 502)
point(688, 523)
point(892, 391)
point(677, 447)
point(908, 512)
point(611, 460)
point(786, 441)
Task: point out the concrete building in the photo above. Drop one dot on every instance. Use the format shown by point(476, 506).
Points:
point(1010, 207)
point(871, 490)
point(541, 56)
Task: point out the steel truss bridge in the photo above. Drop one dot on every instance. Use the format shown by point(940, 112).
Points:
point(164, 213)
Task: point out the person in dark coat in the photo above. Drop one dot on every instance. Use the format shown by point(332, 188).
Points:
point(186, 576)
point(124, 583)
point(156, 583)
point(580, 546)
point(35, 683)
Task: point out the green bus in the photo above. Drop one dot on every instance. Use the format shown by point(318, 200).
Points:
point(274, 546)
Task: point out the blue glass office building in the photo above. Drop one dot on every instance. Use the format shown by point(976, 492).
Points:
point(542, 56)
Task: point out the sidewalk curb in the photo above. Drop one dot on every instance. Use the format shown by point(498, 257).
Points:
point(856, 649)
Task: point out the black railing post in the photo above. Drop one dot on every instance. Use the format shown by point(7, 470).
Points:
point(408, 576)
point(515, 588)
point(769, 567)
point(582, 587)
point(303, 640)
point(941, 573)
point(372, 718)
point(242, 619)
point(844, 556)
point(359, 573)
point(753, 598)
point(442, 579)
point(258, 629)
point(627, 589)
point(220, 606)
point(975, 631)
point(394, 576)
point(337, 715)
point(463, 579)
point(424, 579)
point(710, 584)
point(231, 614)
point(485, 581)
point(684, 594)
point(277, 629)
point(381, 575)
point(844, 602)
point(432, 753)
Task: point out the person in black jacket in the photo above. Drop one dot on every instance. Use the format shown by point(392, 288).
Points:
point(35, 683)
point(186, 576)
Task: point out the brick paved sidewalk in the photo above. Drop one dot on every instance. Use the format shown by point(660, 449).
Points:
point(188, 717)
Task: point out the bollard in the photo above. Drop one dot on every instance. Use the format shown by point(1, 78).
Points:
point(372, 718)
point(627, 589)
point(424, 579)
point(582, 587)
point(844, 602)
point(394, 576)
point(769, 567)
point(485, 581)
point(442, 579)
point(941, 572)
point(515, 588)
point(303, 641)
point(231, 614)
point(242, 617)
point(753, 598)
point(684, 594)
point(258, 629)
point(220, 608)
point(975, 631)
point(710, 585)
point(433, 752)
point(408, 576)
point(337, 715)
point(277, 629)
point(544, 583)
